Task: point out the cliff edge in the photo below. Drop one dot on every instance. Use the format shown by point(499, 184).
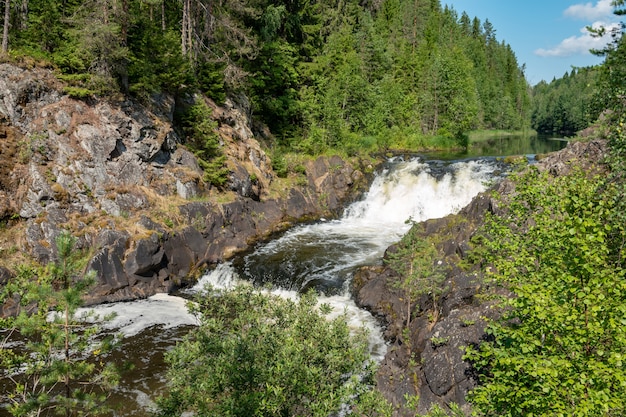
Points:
point(117, 175)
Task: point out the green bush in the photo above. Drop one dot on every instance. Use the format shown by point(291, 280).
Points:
point(262, 355)
point(559, 347)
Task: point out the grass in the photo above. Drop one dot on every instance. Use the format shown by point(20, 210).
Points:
point(12, 236)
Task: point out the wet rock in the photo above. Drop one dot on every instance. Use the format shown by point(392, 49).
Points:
point(373, 289)
point(182, 252)
point(108, 265)
point(146, 259)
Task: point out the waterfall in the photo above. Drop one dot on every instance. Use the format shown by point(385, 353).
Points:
point(321, 255)
point(324, 255)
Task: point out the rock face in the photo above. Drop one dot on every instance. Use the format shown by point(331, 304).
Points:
point(116, 175)
point(428, 359)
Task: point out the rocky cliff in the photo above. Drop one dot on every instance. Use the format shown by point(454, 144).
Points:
point(117, 175)
point(427, 358)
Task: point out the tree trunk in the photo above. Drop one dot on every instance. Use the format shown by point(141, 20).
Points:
point(185, 28)
point(105, 12)
point(5, 32)
point(24, 15)
point(66, 381)
point(124, 24)
point(163, 15)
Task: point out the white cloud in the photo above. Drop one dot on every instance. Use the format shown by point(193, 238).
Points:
point(589, 11)
point(576, 45)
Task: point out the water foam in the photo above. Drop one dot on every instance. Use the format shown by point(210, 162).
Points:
point(408, 190)
point(131, 318)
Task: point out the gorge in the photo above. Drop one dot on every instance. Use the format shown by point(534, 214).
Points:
point(117, 177)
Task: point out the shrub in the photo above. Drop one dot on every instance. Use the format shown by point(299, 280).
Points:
point(257, 354)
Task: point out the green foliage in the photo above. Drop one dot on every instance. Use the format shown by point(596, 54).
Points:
point(612, 83)
point(559, 348)
point(567, 105)
point(279, 165)
point(203, 141)
point(274, 84)
point(415, 261)
point(210, 76)
point(257, 354)
point(168, 70)
point(322, 75)
point(613, 70)
point(452, 410)
point(78, 92)
point(55, 368)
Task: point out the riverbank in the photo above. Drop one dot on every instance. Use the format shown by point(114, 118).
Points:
point(118, 177)
point(425, 359)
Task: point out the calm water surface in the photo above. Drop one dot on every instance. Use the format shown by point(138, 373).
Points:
point(506, 145)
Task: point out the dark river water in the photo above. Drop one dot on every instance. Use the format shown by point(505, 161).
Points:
point(321, 255)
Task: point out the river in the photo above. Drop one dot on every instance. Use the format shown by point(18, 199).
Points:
point(321, 255)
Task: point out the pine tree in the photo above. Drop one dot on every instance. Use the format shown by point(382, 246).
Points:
point(51, 355)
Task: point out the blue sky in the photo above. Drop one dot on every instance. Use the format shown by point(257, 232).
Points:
point(549, 36)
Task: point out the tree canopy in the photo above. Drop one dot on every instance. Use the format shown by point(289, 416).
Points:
point(320, 74)
point(568, 104)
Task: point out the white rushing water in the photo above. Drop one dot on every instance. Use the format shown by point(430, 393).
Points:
point(419, 191)
point(323, 251)
point(322, 255)
point(131, 318)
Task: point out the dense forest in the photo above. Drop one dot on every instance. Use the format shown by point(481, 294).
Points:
point(344, 75)
point(321, 74)
point(568, 104)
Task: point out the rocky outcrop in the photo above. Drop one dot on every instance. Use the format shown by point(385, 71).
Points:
point(116, 175)
point(428, 359)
